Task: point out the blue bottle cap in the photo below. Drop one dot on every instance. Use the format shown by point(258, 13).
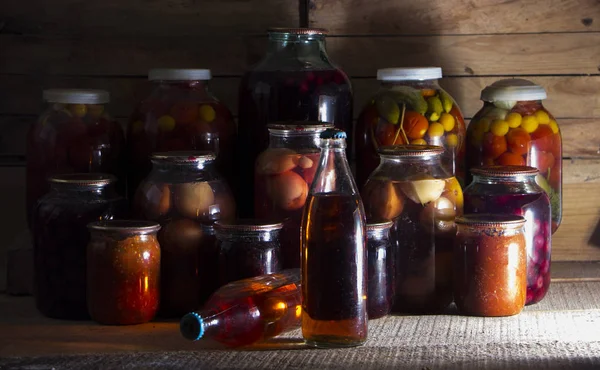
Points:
point(192, 326)
point(333, 133)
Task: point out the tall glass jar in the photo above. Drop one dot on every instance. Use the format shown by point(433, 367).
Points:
point(182, 191)
point(180, 113)
point(295, 81)
point(412, 188)
point(74, 134)
point(381, 269)
point(513, 128)
point(60, 237)
point(513, 190)
point(283, 175)
point(410, 108)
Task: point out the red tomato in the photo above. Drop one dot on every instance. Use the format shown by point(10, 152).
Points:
point(415, 125)
point(493, 146)
point(385, 133)
point(542, 138)
point(184, 112)
point(510, 159)
point(518, 141)
point(543, 161)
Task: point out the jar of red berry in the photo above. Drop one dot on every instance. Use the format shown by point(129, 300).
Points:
point(123, 272)
point(514, 190)
point(283, 175)
point(75, 133)
point(410, 108)
point(295, 81)
point(513, 128)
point(180, 113)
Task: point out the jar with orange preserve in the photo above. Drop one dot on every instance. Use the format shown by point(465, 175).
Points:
point(75, 133)
point(123, 259)
point(410, 108)
point(182, 192)
point(283, 175)
point(513, 128)
point(181, 113)
point(412, 188)
point(490, 265)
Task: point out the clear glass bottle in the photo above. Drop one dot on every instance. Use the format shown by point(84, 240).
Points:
point(295, 81)
point(334, 252)
point(381, 269)
point(284, 173)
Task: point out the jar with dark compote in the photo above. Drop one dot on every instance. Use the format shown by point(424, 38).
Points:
point(514, 190)
point(295, 81)
point(381, 269)
point(60, 237)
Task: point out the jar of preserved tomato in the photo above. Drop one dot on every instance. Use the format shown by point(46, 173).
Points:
point(490, 265)
point(60, 236)
point(283, 175)
point(295, 81)
point(412, 188)
point(514, 190)
point(123, 272)
point(75, 133)
point(513, 128)
point(182, 191)
point(410, 108)
point(247, 248)
point(381, 269)
point(181, 113)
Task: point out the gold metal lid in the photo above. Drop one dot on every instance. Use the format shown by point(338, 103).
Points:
point(485, 220)
point(184, 157)
point(411, 150)
point(504, 171)
point(248, 225)
point(298, 30)
point(83, 179)
point(125, 226)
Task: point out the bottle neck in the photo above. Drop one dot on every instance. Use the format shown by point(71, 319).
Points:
point(333, 174)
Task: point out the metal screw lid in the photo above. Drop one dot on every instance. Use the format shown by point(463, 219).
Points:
point(248, 225)
point(76, 96)
point(125, 226)
point(409, 74)
point(179, 74)
point(298, 30)
point(411, 150)
point(504, 171)
point(83, 179)
point(298, 128)
point(184, 157)
point(491, 220)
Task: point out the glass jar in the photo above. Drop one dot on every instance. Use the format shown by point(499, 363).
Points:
point(513, 190)
point(247, 248)
point(428, 115)
point(75, 133)
point(283, 175)
point(60, 236)
point(412, 188)
point(123, 259)
point(295, 81)
point(181, 113)
point(490, 265)
point(513, 128)
point(182, 191)
point(381, 269)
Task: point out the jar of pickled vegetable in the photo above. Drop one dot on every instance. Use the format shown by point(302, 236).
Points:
point(123, 259)
point(412, 188)
point(513, 128)
point(182, 191)
point(490, 265)
point(381, 269)
point(283, 175)
point(513, 190)
point(248, 248)
point(75, 133)
point(60, 236)
point(410, 108)
point(181, 113)
point(295, 81)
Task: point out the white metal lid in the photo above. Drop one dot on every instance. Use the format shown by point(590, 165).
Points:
point(174, 74)
point(513, 89)
point(409, 74)
point(76, 96)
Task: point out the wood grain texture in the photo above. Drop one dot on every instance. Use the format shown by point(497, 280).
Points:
point(419, 17)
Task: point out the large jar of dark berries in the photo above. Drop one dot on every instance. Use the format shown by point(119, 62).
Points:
point(295, 81)
point(180, 113)
point(412, 188)
point(514, 190)
point(75, 133)
point(182, 192)
point(60, 237)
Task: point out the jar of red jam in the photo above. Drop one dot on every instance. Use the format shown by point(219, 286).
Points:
point(180, 113)
point(513, 128)
point(182, 192)
point(295, 81)
point(410, 108)
point(283, 175)
point(60, 236)
point(381, 269)
point(412, 188)
point(248, 248)
point(74, 134)
point(490, 265)
point(514, 190)
point(123, 272)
